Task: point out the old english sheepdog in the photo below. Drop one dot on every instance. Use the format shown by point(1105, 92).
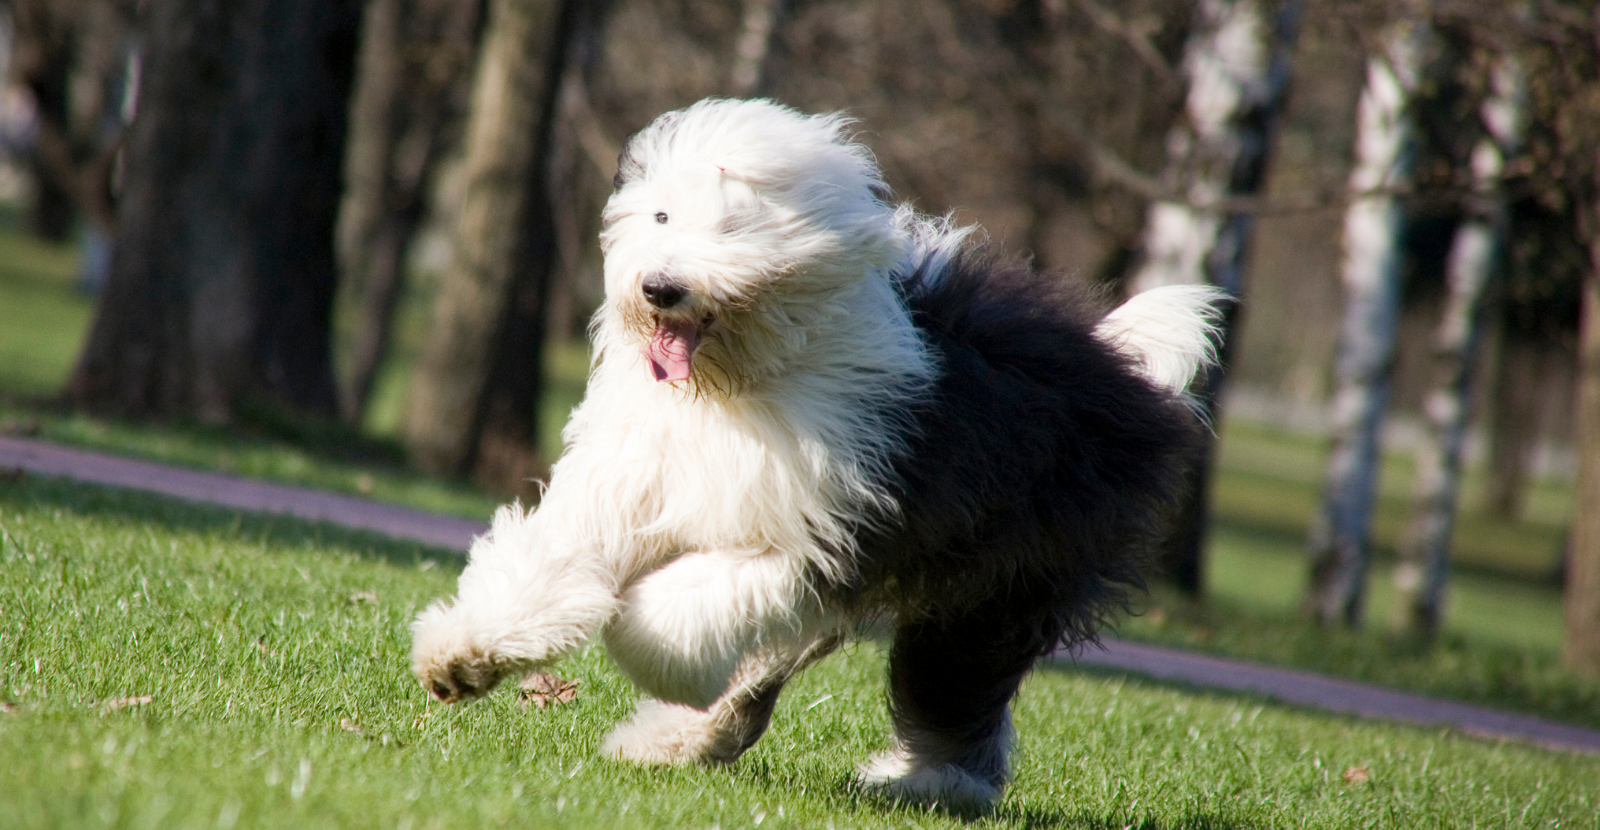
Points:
point(811, 411)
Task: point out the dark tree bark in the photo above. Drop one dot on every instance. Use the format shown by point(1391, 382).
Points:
point(1515, 411)
point(412, 82)
point(222, 282)
point(71, 56)
point(41, 63)
point(1580, 651)
point(1220, 149)
point(473, 401)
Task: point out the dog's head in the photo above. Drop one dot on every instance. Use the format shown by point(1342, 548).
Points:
point(733, 229)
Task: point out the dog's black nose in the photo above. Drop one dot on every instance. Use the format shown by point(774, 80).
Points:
point(662, 292)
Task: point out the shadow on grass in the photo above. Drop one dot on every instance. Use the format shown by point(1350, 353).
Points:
point(259, 426)
point(204, 519)
point(848, 796)
point(1089, 821)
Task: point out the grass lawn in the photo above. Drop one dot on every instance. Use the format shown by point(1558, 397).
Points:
point(273, 656)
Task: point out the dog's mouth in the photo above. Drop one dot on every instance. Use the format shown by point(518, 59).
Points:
point(670, 351)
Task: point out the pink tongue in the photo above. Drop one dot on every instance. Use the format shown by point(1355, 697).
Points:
point(671, 349)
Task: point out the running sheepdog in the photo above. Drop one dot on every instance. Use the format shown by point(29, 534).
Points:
point(810, 411)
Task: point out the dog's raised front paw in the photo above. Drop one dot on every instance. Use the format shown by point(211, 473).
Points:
point(450, 663)
point(460, 677)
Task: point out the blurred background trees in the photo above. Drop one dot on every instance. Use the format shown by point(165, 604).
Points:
point(1408, 223)
point(222, 278)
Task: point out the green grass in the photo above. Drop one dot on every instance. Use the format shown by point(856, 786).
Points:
point(274, 654)
point(42, 315)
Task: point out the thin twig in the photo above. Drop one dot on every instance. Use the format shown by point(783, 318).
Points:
point(1136, 38)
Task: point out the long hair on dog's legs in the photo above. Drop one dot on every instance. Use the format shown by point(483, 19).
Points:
point(951, 680)
point(665, 734)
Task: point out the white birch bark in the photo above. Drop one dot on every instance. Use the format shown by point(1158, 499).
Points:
point(751, 75)
point(1385, 155)
point(1237, 64)
point(1476, 253)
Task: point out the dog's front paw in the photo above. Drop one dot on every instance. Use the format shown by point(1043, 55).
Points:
point(450, 662)
point(459, 677)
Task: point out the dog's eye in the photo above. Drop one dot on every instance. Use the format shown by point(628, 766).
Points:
point(661, 219)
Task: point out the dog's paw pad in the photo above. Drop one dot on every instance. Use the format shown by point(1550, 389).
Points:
point(460, 677)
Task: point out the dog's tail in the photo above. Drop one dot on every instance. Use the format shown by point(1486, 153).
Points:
point(1172, 331)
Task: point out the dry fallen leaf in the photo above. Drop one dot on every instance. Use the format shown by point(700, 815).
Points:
point(363, 596)
point(364, 484)
point(1356, 776)
point(349, 725)
point(543, 690)
point(7, 707)
point(124, 702)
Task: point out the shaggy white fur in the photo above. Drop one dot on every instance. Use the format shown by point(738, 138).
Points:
point(749, 250)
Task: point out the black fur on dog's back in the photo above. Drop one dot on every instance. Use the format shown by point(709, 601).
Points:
point(1041, 471)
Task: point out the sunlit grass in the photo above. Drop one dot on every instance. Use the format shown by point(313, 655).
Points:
point(43, 316)
point(273, 656)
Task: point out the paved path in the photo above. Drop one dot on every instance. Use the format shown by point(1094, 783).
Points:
point(1304, 688)
point(1163, 664)
point(232, 491)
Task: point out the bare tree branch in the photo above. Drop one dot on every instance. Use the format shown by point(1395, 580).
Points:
point(1136, 37)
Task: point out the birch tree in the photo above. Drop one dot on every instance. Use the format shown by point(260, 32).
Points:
point(1476, 254)
point(755, 50)
point(1237, 63)
point(1374, 221)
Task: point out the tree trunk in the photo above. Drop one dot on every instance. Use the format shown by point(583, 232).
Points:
point(755, 53)
point(1374, 221)
point(1238, 70)
point(1515, 412)
point(1476, 253)
point(42, 63)
point(582, 148)
point(1581, 650)
point(414, 61)
point(221, 285)
point(472, 399)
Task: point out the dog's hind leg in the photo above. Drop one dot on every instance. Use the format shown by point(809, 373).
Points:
point(951, 681)
point(671, 733)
